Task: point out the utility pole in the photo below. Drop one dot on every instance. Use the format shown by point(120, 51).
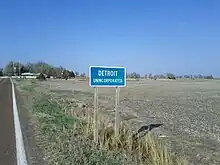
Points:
point(19, 67)
point(14, 69)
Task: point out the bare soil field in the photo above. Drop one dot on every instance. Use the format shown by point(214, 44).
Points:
point(188, 109)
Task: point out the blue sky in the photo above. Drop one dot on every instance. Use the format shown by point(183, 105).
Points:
point(146, 36)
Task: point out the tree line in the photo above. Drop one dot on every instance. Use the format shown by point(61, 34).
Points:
point(168, 76)
point(16, 69)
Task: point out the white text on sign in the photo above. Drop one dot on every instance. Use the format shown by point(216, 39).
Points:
point(108, 80)
point(107, 73)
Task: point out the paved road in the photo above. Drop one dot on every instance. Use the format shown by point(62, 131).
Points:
point(7, 131)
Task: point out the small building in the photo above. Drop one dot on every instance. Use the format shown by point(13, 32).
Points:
point(29, 75)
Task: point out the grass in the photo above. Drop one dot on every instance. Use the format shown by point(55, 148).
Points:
point(62, 140)
point(66, 134)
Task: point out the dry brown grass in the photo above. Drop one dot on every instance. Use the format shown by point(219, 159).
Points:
point(61, 120)
point(147, 149)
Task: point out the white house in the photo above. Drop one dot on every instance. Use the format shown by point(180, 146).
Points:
point(29, 75)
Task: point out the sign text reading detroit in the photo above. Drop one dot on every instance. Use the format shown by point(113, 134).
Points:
point(106, 74)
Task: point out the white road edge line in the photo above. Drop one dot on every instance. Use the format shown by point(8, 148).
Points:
point(21, 157)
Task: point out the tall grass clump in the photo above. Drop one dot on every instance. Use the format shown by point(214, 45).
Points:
point(61, 137)
point(146, 149)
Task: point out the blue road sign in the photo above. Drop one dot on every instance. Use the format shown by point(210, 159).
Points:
point(106, 76)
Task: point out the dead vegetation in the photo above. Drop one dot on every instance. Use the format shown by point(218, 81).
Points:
point(61, 119)
point(188, 111)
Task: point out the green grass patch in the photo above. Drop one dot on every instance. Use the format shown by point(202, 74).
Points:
point(28, 88)
point(63, 145)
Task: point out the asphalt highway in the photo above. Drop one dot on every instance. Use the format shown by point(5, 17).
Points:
point(7, 131)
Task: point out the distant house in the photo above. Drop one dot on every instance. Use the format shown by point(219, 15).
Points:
point(29, 75)
point(43, 74)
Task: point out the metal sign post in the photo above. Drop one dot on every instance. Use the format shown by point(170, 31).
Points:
point(117, 116)
point(105, 76)
point(95, 121)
